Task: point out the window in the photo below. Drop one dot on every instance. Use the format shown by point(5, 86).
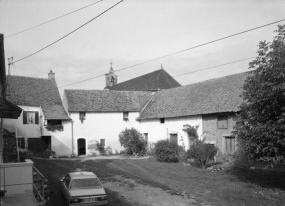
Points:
point(21, 142)
point(230, 144)
point(82, 116)
point(145, 137)
point(174, 138)
point(126, 116)
point(30, 117)
point(53, 122)
point(162, 120)
point(102, 142)
point(67, 180)
point(222, 122)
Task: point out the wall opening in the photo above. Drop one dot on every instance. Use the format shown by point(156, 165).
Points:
point(81, 145)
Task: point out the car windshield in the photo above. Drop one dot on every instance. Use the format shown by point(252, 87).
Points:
point(85, 183)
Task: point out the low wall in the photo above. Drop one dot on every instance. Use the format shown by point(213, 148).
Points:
point(16, 178)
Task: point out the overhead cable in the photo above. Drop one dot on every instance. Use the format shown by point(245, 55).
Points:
point(51, 20)
point(69, 32)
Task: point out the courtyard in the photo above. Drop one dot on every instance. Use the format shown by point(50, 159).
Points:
point(146, 182)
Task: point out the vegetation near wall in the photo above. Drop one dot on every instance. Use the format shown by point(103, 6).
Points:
point(166, 151)
point(202, 153)
point(133, 141)
point(260, 126)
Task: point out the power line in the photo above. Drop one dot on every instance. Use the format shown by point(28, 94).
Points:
point(52, 19)
point(70, 32)
point(174, 76)
point(214, 66)
point(167, 55)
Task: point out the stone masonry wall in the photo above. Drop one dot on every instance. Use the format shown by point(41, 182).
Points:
point(216, 136)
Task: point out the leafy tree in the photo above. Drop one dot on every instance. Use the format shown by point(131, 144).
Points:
point(260, 127)
point(133, 141)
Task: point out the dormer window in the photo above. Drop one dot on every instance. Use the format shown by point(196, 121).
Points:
point(82, 116)
point(126, 116)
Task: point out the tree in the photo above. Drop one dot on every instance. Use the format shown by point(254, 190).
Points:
point(260, 127)
point(133, 141)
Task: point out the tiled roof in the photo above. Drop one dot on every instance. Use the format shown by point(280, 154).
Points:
point(105, 100)
point(211, 96)
point(9, 110)
point(159, 79)
point(29, 91)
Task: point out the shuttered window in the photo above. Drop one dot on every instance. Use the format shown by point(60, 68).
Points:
point(222, 122)
point(230, 145)
point(126, 116)
point(174, 138)
point(30, 117)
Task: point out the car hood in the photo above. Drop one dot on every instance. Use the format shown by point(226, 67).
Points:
point(87, 192)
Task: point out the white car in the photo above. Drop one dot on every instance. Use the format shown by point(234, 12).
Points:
point(83, 189)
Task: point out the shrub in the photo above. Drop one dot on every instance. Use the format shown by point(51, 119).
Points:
point(166, 151)
point(133, 141)
point(48, 153)
point(100, 148)
point(202, 153)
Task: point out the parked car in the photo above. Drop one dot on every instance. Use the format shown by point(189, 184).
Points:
point(83, 189)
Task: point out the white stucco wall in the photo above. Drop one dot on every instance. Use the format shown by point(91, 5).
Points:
point(98, 126)
point(24, 130)
point(61, 141)
point(158, 131)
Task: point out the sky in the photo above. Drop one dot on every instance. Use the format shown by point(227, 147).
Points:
point(133, 32)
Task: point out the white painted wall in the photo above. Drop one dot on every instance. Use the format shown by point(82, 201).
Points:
point(24, 130)
point(103, 125)
point(159, 131)
point(18, 177)
point(61, 141)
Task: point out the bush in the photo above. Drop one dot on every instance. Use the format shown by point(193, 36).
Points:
point(133, 141)
point(202, 153)
point(166, 151)
point(48, 153)
point(100, 148)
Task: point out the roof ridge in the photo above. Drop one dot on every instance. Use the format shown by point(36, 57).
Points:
point(104, 90)
point(27, 77)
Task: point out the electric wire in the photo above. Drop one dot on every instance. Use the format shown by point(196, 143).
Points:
point(214, 66)
point(69, 32)
point(51, 20)
point(173, 76)
point(167, 55)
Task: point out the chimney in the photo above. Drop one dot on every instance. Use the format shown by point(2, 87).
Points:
point(51, 75)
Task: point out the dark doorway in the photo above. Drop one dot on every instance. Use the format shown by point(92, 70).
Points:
point(39, 144)
point(81, 146)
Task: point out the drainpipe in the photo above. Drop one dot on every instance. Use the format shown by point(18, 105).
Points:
point(72, 138)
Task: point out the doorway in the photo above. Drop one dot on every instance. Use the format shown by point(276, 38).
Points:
point(81, 145)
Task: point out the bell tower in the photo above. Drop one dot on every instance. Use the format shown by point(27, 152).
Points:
point(111, 78)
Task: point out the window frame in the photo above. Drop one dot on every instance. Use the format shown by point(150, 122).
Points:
point(27, 120)
point(221, 124)
point(104, 142)
point(176, 135)
point(232, 144)
point(145, 137)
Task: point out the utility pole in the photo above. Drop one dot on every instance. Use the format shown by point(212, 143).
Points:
point(10, 62)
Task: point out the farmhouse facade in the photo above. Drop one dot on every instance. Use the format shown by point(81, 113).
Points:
point(42, 108)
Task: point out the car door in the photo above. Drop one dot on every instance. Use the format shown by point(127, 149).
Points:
point(65, 186)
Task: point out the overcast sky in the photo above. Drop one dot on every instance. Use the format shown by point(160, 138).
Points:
point(133, 32)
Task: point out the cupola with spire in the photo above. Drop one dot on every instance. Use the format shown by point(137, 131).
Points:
point(111, 78)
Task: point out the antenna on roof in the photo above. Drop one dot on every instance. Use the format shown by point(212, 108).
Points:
point(161, 66)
